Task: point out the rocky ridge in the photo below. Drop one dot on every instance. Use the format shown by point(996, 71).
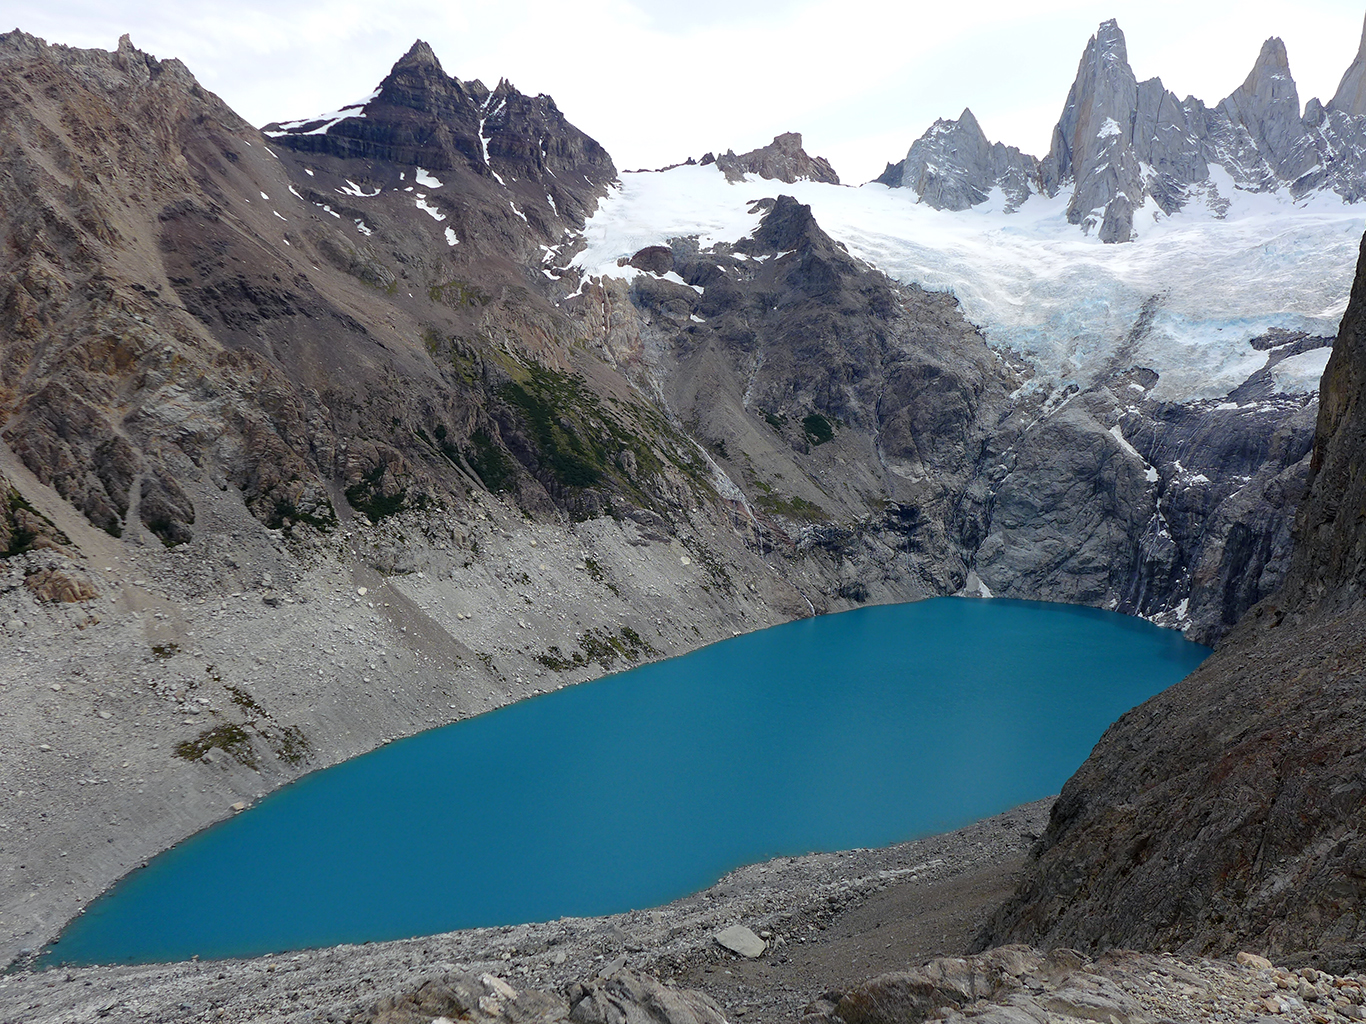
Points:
point(1122, 146)
point(783, 159)
point(1018, 984)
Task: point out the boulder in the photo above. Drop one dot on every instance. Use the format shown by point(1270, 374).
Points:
point(739, 939)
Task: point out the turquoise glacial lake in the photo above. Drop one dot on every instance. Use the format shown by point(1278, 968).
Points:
point(858, 729)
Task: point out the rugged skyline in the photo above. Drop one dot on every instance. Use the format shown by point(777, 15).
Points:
point(883, 72)
point(1122, 142)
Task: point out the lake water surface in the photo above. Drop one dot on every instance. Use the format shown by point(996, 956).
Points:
point(849, 730)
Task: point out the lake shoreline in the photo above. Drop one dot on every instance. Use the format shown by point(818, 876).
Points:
point(941, 740)
point(810, 905)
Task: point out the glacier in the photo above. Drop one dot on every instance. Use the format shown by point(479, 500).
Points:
point(1184, 298)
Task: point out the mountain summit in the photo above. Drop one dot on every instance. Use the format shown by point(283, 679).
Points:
point(421, 116)
point(1124, 150)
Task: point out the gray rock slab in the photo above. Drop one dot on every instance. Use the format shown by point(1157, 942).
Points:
point(739, 939)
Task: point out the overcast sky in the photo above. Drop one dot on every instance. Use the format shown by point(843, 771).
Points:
point(656, 81)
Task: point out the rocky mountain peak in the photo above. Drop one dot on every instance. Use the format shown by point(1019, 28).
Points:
point(1267, 104)
point(954, 166)
point(1092, 141)
point(1351, 95)
point(783, 159)
point(419, 54)
point(421, 116)
point(1120, 143)
point(787, 225)
point(1108, 43)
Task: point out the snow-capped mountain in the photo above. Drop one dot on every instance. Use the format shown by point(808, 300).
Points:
point(1125, 154)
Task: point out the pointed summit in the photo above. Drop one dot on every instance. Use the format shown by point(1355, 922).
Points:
point(1109, 43)
point(419, 55)
point(1351, 95)
point(1267, 104)
point(954, 166)
point(1092, 143)
point(420, 116)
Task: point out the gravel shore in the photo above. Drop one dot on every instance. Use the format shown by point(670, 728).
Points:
point(830, 919)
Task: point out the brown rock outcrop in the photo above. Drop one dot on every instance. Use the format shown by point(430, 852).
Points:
point(783, 159)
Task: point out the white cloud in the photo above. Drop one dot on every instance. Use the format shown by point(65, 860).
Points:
point(656, 82)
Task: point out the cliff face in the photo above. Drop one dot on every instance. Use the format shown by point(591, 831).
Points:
point(1329, 569)
point(1229, 812)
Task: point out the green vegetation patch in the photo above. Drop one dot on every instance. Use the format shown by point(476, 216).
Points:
point(584, 442)
point(231, 739)
point(459, 295)
point(291, 745)
point(365, 496)
point(21, 538)
point(599, 574)
point(558, 409)
point(244, 700)
point(603, 647)
point(488, 461)
point(818, 429)
point(163, 651)
point(792, 508)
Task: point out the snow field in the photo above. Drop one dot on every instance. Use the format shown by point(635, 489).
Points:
point(1036, 285)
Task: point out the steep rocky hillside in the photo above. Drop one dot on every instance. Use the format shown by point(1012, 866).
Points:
point(1229, 810)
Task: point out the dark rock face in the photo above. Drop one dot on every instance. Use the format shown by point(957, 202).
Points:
point(783, 159)
point(1329, 569)
point(1121, 143)
point(1177, 512)
point(1229, 811)
point(422, 117)
point(1223, 814)
point(818, 382)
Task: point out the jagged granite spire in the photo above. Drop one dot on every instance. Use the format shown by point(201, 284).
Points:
point(1351, 95)
point(1120, 144)
point(1268, 106)
point(1092, 143)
